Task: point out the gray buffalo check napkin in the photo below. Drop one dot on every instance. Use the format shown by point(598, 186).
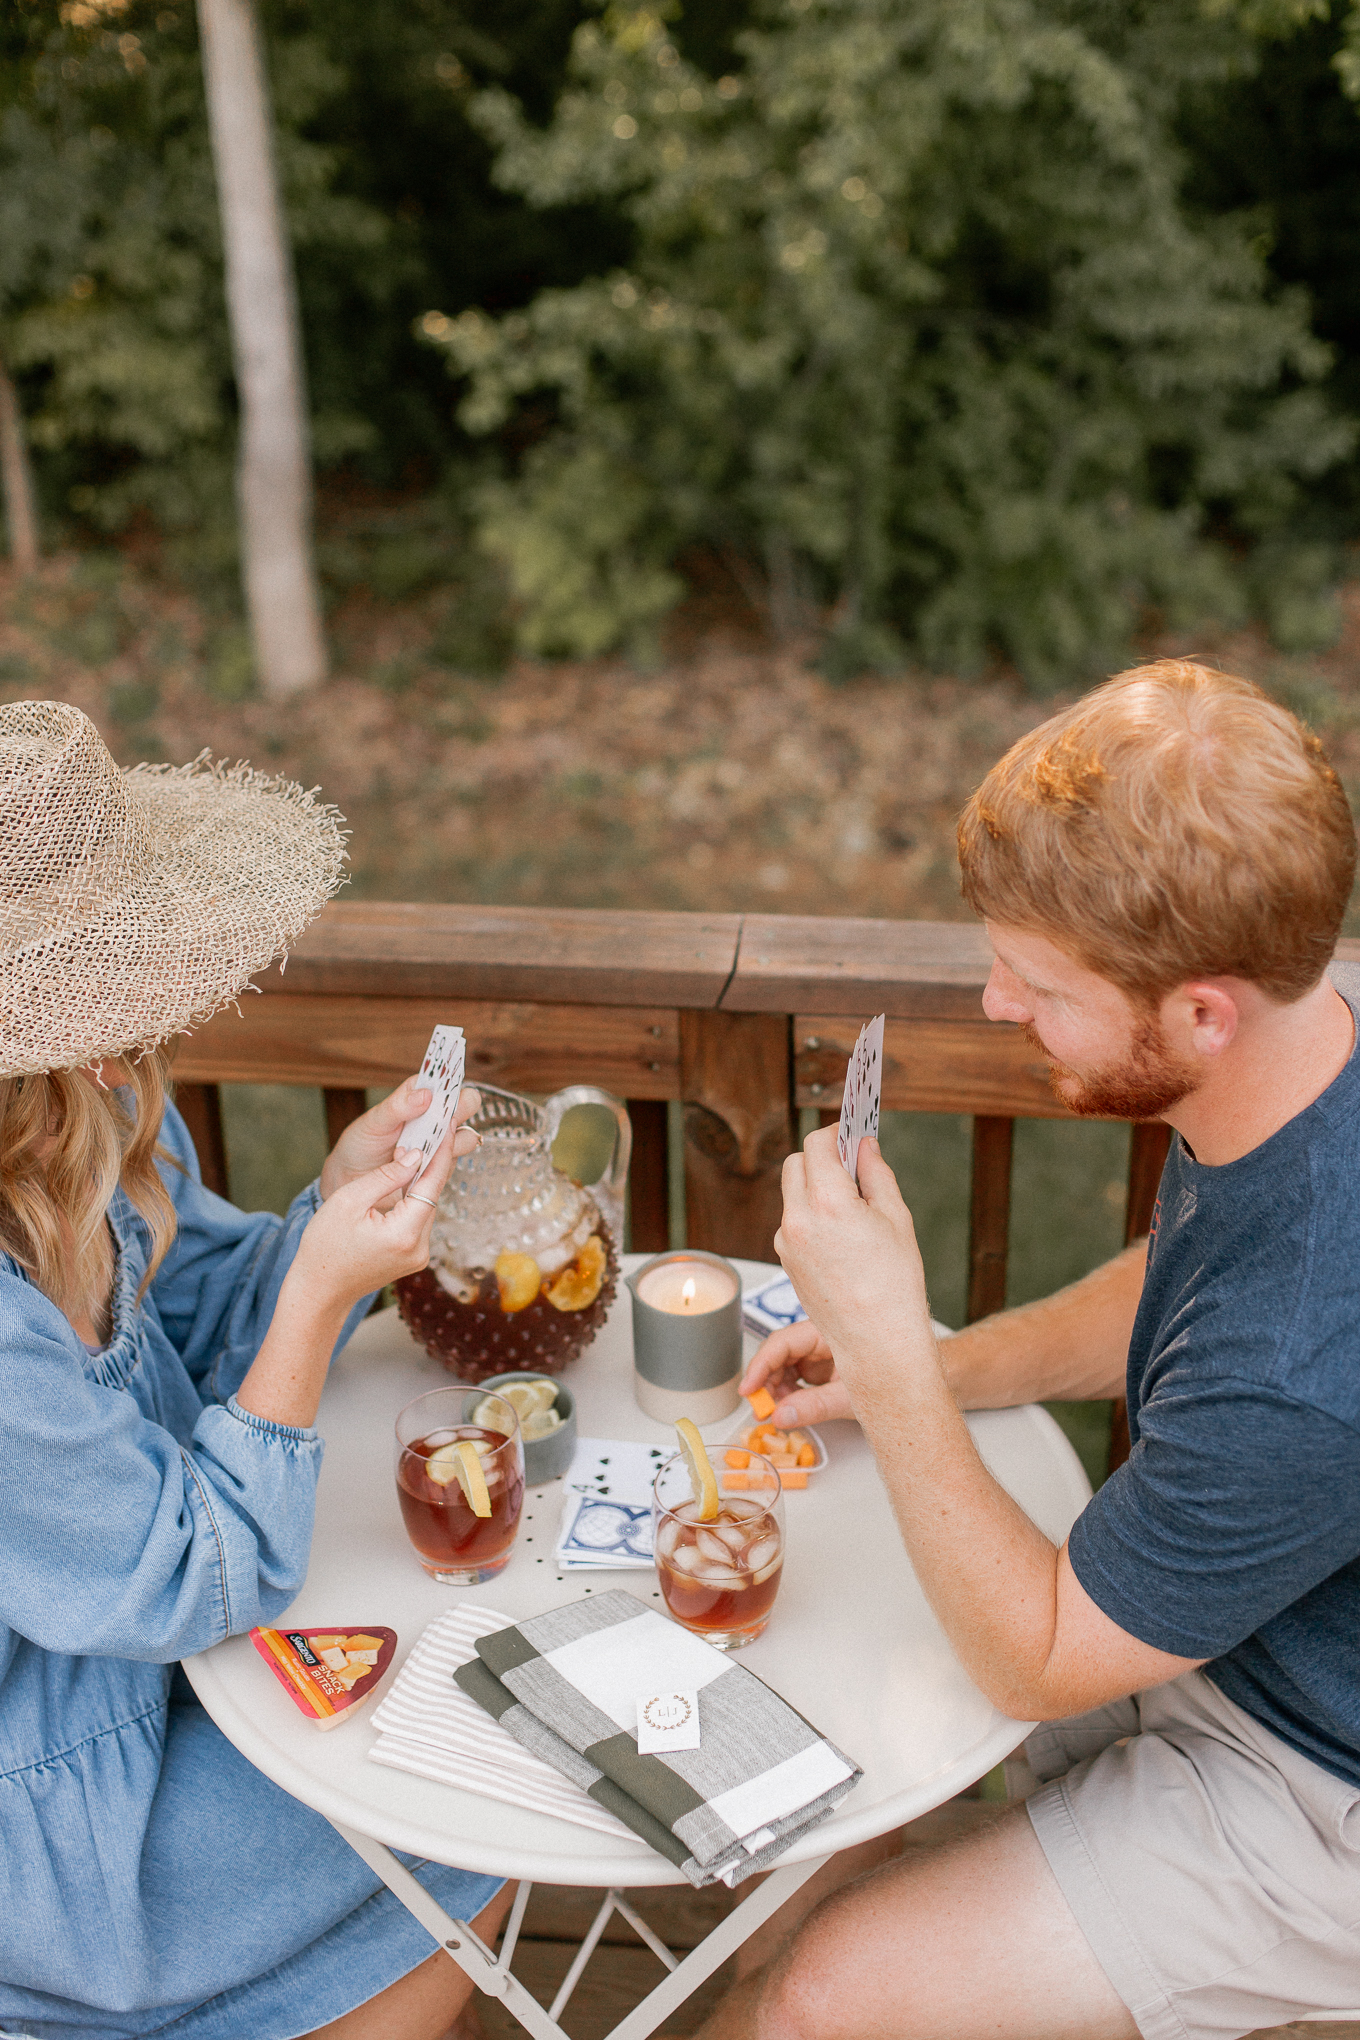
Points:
point(567, 1685)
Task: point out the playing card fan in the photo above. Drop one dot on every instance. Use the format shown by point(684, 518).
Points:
point(863, 1086)
point(523, 1261)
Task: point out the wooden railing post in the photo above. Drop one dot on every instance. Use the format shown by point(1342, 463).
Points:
point(1148, 1150)
point(989, 1219)
point(343, 1107)
point(649, 1189)
point(1148, 1147)
point(200, 1108)
point(737, 1086)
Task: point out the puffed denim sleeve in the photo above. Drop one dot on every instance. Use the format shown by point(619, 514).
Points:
point(216, 1289)
point(120, 1540)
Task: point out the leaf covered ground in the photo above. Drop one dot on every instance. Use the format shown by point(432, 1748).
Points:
point(732, 776)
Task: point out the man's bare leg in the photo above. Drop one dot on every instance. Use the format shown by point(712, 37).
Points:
point(842, 1869)
point(969, 1941)
point(426, 2002)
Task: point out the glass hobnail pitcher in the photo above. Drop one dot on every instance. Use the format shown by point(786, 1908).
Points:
point(523, 1260)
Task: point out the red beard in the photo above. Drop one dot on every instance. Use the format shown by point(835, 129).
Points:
point(1151, 1081)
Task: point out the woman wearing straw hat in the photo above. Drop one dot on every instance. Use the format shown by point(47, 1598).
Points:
point(161, 1361)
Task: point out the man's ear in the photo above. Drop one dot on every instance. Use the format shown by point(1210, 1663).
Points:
point(1201, 1016)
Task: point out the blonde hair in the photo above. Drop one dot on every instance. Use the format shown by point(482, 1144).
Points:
point(66, 1146)
point(1173, 823)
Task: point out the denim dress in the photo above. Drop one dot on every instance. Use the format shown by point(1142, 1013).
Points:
point(151, 1880)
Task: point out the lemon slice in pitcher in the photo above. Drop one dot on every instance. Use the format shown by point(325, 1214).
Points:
point(702, 1478)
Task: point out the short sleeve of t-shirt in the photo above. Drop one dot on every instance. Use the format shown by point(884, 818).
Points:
point(1235, 1501)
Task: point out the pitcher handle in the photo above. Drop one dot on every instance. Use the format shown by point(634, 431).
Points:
point(609, 1191)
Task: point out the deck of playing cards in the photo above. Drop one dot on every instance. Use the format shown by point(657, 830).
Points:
point(863, 1084)
point(770, 1306)
point(607, 1511)
point(442, 1073)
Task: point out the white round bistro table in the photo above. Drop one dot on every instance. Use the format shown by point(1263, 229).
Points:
point(852, 1644)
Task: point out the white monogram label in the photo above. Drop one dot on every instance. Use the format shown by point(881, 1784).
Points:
point(667, 1721)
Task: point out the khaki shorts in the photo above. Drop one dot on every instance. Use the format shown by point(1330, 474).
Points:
point(1214, 1870)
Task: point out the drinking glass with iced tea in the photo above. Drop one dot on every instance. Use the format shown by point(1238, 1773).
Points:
point(719, 1556)
point(460, 1482)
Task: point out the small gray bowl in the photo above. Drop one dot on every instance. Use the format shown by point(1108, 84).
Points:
point(544, 1458)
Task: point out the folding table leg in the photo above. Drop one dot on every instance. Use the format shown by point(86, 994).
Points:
point(472, 1955)
point(493, 1975)
point(713, 1951)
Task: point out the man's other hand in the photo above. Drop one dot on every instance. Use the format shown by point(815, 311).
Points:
point(792, 1356)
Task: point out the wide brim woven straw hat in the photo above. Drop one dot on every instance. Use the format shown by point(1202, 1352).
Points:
point(134, 904)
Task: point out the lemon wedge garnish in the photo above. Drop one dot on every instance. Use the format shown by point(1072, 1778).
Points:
point(461, 1462)
point(471, 1479)
point(703, 1480)
point(440, 1466)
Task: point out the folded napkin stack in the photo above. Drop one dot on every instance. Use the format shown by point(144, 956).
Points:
point(426, 1726)
point(567, 1686)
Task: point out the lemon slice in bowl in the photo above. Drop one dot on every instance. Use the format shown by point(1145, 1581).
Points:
point(526, 1399)
point(541, 1425)
point(703, 1480)
point(522, 1397)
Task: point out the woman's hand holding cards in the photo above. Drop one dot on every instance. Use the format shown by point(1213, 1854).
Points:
point(367, 1233)
point(376, 1136)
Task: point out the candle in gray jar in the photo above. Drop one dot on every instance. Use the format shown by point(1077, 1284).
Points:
point(687, 1349)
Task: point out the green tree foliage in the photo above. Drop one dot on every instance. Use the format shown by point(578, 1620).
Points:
point(917, 319)
point(111, 310)
point(110, 262)
point(1282, 142)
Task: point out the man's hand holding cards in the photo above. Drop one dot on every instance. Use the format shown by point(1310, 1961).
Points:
point(863, 1086)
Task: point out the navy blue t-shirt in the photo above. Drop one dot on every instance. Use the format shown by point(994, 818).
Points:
point(1232, 1533)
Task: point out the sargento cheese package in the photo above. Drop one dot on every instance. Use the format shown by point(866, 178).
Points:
point(327, 1673)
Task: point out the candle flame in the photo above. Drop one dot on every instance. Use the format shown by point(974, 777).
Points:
point(687, 1293)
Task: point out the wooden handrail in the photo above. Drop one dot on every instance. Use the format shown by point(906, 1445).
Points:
point(744, 1020)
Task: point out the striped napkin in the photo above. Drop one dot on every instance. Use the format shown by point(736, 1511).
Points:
point(428, 1727)
point(567, 1685)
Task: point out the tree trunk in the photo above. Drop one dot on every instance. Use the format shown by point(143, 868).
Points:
point(16, 481)
point(273, 471)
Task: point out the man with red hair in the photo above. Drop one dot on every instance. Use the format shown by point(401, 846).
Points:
point(1163, 870)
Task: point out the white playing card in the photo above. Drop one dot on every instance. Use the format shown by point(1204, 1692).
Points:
point(863, 1085)
point(615, 1469)
point(442, 1073)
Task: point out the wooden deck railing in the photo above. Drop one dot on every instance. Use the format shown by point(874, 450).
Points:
point(742, 1019)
